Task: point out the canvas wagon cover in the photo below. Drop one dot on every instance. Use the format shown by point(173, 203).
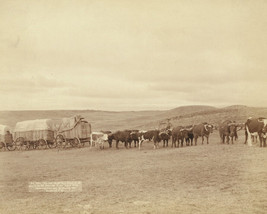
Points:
point(33, 130)
point(33, 125)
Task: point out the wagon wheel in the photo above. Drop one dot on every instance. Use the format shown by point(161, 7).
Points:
point(41, 144)
point(75, 142)
point(60, 141)
point(33, 144)
point(52, 144)
point(11, 146)
point(21, 144)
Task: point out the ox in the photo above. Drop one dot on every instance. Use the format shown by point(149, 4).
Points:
point(156, 138)
point(136, 137)
point(110, 139)
point(98, 138)
point(190, 135)
point(202, 130)
point(123, 136)
point(165, 135)
point(228, 130)
point(148, 135)
point(179, 133)
point(139, 136)
point(256, 125)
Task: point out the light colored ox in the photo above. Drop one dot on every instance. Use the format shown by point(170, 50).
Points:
point(98, 139)
point(258, 127)
point(141, 138)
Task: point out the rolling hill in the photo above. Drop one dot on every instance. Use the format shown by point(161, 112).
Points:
point(112, 120)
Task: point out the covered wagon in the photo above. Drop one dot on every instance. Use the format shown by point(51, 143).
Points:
point(74, 131)
point(6, 138)
point(34, 133)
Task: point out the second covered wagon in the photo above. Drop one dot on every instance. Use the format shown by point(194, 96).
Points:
point(74, 130)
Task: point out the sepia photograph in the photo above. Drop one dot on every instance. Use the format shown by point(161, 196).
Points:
point(133, 106)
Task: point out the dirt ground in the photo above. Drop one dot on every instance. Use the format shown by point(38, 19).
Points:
point(212, 178)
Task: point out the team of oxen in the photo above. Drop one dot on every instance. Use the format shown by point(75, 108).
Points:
point(254, 127)
point(178, 134)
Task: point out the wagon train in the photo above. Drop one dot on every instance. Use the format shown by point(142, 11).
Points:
point(6, 138)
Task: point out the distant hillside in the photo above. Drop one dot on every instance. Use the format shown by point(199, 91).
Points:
point(214, 116)
point(186, 110)
point(211, 115)
point(112, 120)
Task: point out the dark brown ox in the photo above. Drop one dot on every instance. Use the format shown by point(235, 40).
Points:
point(256, 125)
point(228, 130)
point(165, 136)
point(179, 134)
point(134, 137)
point(148, 135)
point(156, 138)
point(202, 130)
point(123, 136)
point(190, 136)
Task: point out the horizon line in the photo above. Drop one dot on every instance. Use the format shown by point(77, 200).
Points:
point(222, 106)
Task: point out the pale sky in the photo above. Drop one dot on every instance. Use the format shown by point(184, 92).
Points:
point(132, 54)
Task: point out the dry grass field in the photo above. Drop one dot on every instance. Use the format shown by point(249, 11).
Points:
point(212, 178)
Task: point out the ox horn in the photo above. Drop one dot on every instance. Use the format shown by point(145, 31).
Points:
point(205, 126)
